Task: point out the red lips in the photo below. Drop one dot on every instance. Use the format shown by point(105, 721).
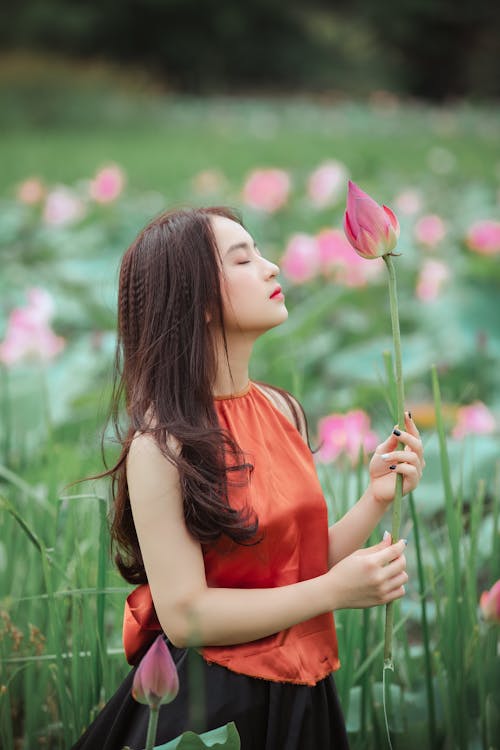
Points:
point(276, 291)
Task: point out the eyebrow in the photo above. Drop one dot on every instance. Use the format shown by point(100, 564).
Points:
point(240, 246)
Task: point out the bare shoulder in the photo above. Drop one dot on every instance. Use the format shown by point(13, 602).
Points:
point(148, 470)
point(288, 405)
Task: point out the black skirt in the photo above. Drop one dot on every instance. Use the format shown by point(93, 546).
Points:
point(268, 715)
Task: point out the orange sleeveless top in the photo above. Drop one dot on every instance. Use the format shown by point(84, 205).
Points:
point(285, 492)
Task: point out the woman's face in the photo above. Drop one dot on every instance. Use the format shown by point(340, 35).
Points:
point(252, 298)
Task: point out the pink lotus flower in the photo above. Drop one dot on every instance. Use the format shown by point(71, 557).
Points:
point(156, 680)
point(489, 603)
point(430, 230)
point(346, 434)
point(484, 237)
point(301, 261)
point(432, 277)
point(267, 189)
point(338, 260)
point(474, 419)
point(107, 185)
point(28, 331)
point(31, 191)
point(408, 201)
point(63, 207)
point(326, 184)
point(371, 229)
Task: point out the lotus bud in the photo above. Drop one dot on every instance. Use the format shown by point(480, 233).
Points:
point(156, 680)
point(371, 229)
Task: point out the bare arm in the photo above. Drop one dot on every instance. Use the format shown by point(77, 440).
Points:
point(185, 605)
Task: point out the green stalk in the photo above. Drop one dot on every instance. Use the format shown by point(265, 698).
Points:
point(398, 494)
point(152, 725)
point(425, 628)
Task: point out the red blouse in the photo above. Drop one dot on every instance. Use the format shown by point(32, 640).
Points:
point(286, 494)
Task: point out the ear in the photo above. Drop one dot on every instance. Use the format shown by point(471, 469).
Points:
point(208, 318)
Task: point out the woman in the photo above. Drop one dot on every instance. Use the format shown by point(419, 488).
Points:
point(219, 515)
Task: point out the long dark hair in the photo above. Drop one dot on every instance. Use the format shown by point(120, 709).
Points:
point(165, 367)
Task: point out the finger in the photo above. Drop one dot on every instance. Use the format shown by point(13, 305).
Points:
point(412, 441)
point(410, 425)
point(388, 445)
point(386, 541)
point(407, 470)
point(408, 456)
point(394, 594)
point(391, 553)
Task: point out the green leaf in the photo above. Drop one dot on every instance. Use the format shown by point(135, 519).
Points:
point(226, 736)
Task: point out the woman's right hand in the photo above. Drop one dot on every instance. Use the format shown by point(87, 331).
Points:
point(369, 577)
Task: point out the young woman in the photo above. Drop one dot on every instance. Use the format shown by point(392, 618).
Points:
point(219, 515)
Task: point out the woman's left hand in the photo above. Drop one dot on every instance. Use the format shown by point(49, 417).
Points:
point(408, 462)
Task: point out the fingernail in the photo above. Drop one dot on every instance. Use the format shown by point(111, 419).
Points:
point(404, 590)
point(392, 467)
point(385, 455)
point(405, 541)
point(386, 535)
point(396, 432)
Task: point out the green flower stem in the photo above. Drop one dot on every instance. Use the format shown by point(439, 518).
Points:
point(425, 628)
point(152, 725)
point(398, 494)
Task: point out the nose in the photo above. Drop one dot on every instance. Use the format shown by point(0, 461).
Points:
point(271, 268)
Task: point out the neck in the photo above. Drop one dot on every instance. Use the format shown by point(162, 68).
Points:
point(232, 371)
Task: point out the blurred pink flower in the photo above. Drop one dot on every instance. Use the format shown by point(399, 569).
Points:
point(63, 207)
point(431, 278)
point(346, 434)
point(474, 419)
point(156, 680)
point(489, 603)
point(28, 331)
point(371, 229)
point(326, 184)
point(337, 259)
point(301, 261)
point(408, 201)
point(484, 237)
point(107, 185)
point(267, 189)
point(31, 191)
point(209, 181)
point(430, 230)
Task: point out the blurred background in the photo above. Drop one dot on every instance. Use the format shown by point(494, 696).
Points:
point(110, 113)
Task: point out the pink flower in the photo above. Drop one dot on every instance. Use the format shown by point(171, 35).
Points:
point(267, 189)
point(474, 419)
point(489, 603)
point(156, 680)
point(371, 229)
point(301, 261)
point(346, 434)
point(63, 207)
point(28, 331)
point(31, 191)
point(430, 230)
point(408, 201)
point(337, 259)
point(326, 184)
point(484, 237)
point(432, 276)
point(107, 185)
